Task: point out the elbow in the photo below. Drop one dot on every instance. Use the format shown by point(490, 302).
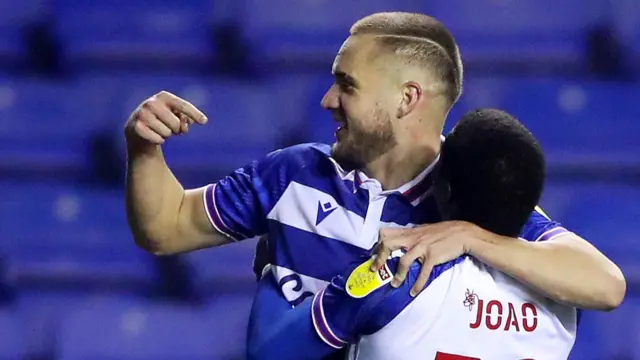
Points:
point(153, 245)
point(616, 291)
point(609, 292)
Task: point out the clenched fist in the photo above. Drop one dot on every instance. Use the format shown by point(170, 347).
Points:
point(160, 117)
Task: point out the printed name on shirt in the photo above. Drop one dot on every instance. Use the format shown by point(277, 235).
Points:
point(499, 315)
point(362, 281)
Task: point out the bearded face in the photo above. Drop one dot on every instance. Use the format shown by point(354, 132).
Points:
point(361, 140)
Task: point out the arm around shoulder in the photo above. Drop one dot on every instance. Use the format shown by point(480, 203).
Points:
point(574, 272)
point(604, 278)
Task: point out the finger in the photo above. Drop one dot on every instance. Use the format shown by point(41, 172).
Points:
point(423, 278)
point(146, 116)
point(382, 254)
point(183, 106)
point(185, 122)
point(403, 266)
point(144, 132)
point(405, 238)
point(149, 119)
point(184, 127)
point(394, 232)
point(162, 113)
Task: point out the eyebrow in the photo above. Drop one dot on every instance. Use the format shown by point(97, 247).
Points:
point(343, 77)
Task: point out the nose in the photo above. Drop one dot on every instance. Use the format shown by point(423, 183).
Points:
point(330, 100)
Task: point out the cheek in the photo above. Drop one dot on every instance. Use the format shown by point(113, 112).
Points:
point(351, 106)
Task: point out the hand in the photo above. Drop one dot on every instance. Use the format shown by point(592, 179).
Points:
point(160, 117)
point(432, 245)
point(261, 257)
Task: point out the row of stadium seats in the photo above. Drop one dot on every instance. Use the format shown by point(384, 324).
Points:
point(96, 300)
point(77, 287)
point(128, 328)
point(81, 237)
point(87, 238)
point(124, 327)
point(54, 124)
point(312, 29)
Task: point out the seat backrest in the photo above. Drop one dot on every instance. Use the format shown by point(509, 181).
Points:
point(128, 329)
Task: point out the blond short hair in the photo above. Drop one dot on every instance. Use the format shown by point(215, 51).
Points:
point(418, 40)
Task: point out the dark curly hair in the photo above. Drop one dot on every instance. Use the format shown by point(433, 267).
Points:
point(495, 170)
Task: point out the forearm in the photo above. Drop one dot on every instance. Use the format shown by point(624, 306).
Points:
point(278, 331)
point(566, 269)
point(153, 197)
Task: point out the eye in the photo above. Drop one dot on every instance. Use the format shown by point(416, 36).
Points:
point(345, 87)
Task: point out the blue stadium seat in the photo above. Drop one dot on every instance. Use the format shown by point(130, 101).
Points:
point(609, 335)
point(577, 123)
point(42, 311)
point(46, 124)
point(626, 23)
point(127, 329)
point(14, 14)
point(606, 215)
point(309, 30)
point(69, 235)
point(126, 30)
point(12, 335)
point(231, 313)
point(518, 30)
point(226, 269)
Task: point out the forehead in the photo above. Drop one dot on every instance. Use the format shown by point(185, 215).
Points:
point(353, 54)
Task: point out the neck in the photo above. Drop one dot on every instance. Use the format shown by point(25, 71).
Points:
point(403, 163)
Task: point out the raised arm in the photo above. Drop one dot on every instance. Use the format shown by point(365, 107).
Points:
point(164, 217)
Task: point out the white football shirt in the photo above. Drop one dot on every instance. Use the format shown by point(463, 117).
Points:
point(467, 311)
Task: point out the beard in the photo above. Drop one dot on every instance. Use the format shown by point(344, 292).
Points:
point(358, 145)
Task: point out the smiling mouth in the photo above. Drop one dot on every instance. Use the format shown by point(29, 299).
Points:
point(342, 127)
point(342, 124)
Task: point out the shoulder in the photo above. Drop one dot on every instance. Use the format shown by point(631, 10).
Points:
point(300, 156)
point(540, 227)
point(304, 153)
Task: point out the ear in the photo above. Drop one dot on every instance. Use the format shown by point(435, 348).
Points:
point(411, 96)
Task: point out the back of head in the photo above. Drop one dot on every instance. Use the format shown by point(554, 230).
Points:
point(418, 40)
point(495, 169)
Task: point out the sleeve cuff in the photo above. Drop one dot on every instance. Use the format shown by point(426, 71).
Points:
point(321, 324)
point(552, 233)
point(213, 214)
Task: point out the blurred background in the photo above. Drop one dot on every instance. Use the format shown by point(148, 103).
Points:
point(72, 283)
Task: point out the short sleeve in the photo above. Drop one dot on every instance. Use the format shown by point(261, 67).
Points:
point(237, 204)
point(350, 306)
point(337, 315)
point(540, 227)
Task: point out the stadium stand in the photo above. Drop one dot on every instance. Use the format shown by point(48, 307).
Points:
point(72, 283)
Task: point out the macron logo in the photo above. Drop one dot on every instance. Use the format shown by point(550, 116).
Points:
point(324, 210)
